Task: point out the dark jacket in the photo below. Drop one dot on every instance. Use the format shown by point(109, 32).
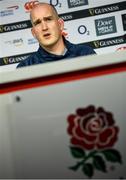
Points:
point(42, 56)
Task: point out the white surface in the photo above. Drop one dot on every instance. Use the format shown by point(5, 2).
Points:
point(41, 114)
point(78, 63)
point(34, 140)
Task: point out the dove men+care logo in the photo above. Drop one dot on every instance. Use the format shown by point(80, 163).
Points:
point(105, 26)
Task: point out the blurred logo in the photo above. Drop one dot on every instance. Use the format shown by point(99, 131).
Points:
point(13, 7)
point(15, 26)
point(13, 59)
point(55, 3)
point(82, 29)
point(109, 42)
point(15, 42)
point(105, 26)
point(124, 21)
point(8, 11)
point(1, 29)
point(29, 5)
point(67, 17)
point(96, 44)
point(92, 11)
point(32, 41)
point(103, 10)
point(76, 3)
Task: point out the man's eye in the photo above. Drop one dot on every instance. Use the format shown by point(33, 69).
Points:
point(48, 19)
point(37, 22)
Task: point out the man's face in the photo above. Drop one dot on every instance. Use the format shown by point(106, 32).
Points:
point(47, 26)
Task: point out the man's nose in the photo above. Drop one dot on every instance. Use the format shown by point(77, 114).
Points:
point(44, 25)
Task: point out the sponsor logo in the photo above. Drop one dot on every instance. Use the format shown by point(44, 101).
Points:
point(82, 29)
point(32, 41)
point(76, 3)
point(56, 3)
point(67, 17)
point(109, 42)
point(15, 42)
point(91, 146)
point(13, 59)
point(15, 26)
point(103, 10)
point(8, 11)
point(29, 5)
point(13, 7)
point(124, 21)
point(94, 11)
point(105, 26)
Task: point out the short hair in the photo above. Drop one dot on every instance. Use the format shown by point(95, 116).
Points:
point(53, 8)
point(42, 3)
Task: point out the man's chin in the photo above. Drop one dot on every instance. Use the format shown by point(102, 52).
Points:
point(49, 44)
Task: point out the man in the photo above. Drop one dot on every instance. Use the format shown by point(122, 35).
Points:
point(47, 28)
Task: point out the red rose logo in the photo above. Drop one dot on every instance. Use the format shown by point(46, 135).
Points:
point(93, 133)
point(92, 128)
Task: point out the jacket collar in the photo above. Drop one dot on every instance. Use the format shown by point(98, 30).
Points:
point(49, 56)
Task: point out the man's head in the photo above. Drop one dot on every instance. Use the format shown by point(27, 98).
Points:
point(47, 26)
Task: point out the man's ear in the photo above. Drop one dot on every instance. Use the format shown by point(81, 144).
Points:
point(61, 23)
point(32, 31)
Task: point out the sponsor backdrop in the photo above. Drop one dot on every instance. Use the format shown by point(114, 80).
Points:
point(100, 24)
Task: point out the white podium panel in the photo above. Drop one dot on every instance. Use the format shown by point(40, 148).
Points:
point(72, 126)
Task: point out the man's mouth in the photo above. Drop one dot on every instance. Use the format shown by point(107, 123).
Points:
point(47, 35)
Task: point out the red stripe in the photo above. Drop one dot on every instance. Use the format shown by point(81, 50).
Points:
point(60, 78)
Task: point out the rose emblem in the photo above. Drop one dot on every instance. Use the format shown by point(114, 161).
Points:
point(93, 133)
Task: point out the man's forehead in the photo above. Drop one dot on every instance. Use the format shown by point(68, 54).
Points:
point(42, 8)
